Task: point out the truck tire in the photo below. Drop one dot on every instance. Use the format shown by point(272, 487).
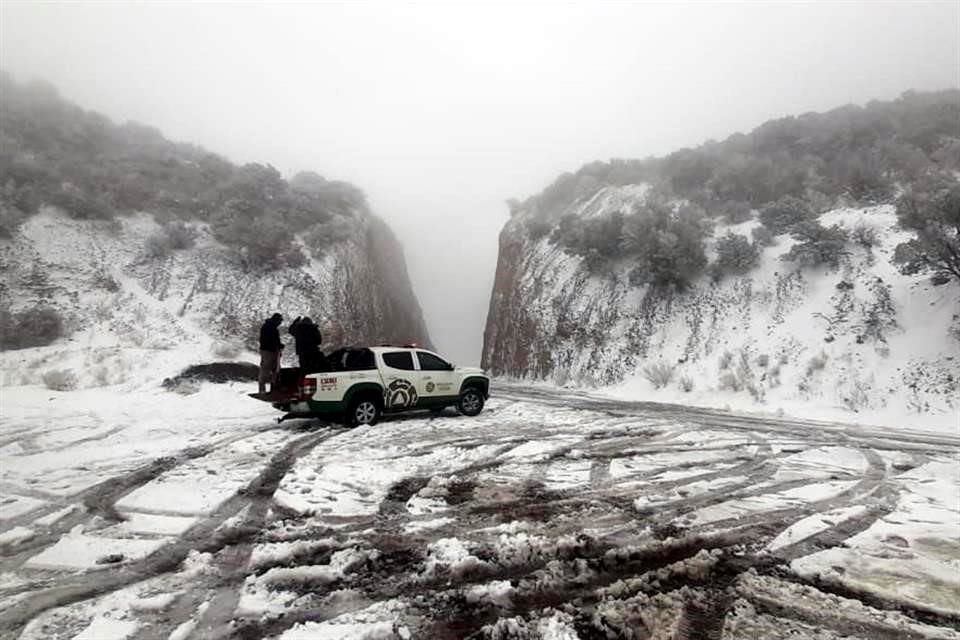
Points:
point(365, 410)
point(470, 402)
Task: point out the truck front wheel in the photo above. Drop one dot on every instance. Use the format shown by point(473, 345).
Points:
point(363, 411)
point(471, 401)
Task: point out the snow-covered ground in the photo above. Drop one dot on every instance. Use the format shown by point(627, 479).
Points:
point(150, 514)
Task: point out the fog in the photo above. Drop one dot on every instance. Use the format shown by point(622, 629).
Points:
point(442, 112)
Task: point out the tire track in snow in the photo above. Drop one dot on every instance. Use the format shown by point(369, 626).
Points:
point(200, 536)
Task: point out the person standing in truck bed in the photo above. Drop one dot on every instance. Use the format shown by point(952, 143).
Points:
point(307, 340)
point(270, 349)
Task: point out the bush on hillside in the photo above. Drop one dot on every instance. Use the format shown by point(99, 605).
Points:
point(260, 239)
point(60, 380)
point(865, 235)
point(932, 210)
point(735, 255)
point(172, 236)
point(320, 237)
point(733, 211)
point(36, 327)
point(659, 374)
point(781, 216)
point(763, 237)
point(667, 246)
point(818, 245)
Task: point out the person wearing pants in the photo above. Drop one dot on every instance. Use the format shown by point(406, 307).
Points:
point(270, 349)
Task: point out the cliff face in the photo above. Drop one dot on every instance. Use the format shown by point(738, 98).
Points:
point(861, 337)
point(195, 304)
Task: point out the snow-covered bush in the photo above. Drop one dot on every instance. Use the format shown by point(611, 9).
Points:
point(818, 245)
point(726, 359)
point(320, 237)
point(60, 380)
point(763, 237)
point(784, 214)
point(659, 374)
point(36, 327)
point(733, 211)
point(865, 235)
point(172, 236)
point(735, 255)
point(816, 363)
point(932, 209)
point(686, 384)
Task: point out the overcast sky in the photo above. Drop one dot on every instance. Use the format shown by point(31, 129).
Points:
point(440, 112)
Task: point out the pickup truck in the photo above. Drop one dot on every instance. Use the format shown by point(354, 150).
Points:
point(366, 382)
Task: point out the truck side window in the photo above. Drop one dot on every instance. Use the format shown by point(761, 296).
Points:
point(430, 362)
point(399, 360)
point(360, 360)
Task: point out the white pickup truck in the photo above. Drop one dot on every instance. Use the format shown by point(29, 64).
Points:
point(366, 382)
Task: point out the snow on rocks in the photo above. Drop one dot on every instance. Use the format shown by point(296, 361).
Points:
point(450, 557)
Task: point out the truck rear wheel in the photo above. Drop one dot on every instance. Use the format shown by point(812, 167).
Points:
point(363, 411)
point(471, 401)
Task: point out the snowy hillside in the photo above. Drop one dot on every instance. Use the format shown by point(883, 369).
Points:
point(861, 341)
point(131, 318)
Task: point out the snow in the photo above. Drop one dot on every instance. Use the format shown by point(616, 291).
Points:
point(12, 506)
point(149, 523)
point(378, 621)
point(449, 555)
point(108, 629)
point(813, 525)
point(77, 550)
point(15, 535)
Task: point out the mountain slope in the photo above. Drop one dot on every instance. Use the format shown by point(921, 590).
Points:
point(572, 304)
point(184, 267)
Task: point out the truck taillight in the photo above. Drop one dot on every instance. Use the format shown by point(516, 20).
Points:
point(308, 387)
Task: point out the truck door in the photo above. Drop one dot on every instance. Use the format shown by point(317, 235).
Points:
point(437, 384)
point(400, 379)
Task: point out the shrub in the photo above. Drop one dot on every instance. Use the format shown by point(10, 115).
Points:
point(686, 384)
point(261, 241)
point(735, 255)
point(322, 236)
point(734, 211)
point(818, 245)
point(932, 209)
point(763, 237)
point(659, 374)
point(60, 380)
point(726, 359)
point(668, 246)
point(172, 236)
point(36, 327)
point(729, 381)
point(781, 216)
point(816, 363)
point(865, 235)
point(11, 217)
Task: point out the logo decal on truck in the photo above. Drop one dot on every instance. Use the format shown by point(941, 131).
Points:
point(430, 387)
point(401, 393)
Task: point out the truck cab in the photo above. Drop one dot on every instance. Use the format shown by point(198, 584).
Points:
point(366, 382)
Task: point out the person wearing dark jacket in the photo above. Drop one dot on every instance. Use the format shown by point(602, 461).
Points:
point(307, 340)
point(270, 349)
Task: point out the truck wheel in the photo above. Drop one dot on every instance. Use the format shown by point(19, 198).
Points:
point(471, 401)
point(364, 411)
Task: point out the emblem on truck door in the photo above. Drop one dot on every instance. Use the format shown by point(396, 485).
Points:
point(430, 387)
point(401, 393)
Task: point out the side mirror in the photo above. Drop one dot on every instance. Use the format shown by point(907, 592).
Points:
point(451, 367)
